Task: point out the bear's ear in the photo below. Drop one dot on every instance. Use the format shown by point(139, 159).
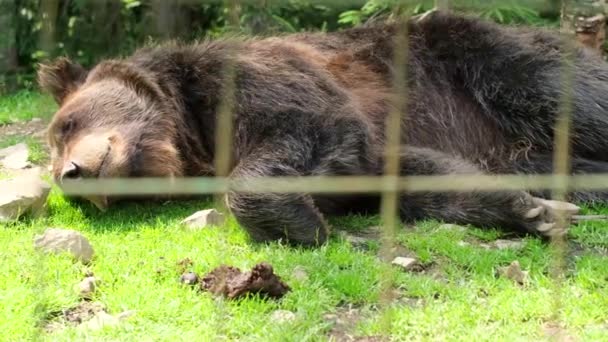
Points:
point(61, 78)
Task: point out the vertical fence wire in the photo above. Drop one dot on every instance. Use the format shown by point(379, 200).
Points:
point(389, 210)
point(46, 41)
point(224, 134)
point(562, 166)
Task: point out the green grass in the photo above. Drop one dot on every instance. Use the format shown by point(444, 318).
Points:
point(138, 245)
point(24, 106)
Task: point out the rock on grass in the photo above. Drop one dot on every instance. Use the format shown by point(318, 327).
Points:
point(87, 287)
point(514, 272)
point(24, 193)
point(282, 316)
point(15, 157)
point(63, 240)
point(203, 219)
point(407, 264)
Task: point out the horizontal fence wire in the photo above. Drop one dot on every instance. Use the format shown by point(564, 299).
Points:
point(333, 184)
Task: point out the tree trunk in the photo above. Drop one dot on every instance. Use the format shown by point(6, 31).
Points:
point(8, 44)
point(586, 20)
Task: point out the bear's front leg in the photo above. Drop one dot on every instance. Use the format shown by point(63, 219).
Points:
point(293, 218)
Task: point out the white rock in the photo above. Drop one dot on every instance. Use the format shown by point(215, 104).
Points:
point(408, 264)
point(450, 226)
point(15, 157)
point(508, 244)
point(282, 316)
point(299, 273)
point(62, 240)
point(204, 218)
point(101, 320)
point(24, 193)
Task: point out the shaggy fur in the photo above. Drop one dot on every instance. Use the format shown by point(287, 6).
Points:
point(482, 98)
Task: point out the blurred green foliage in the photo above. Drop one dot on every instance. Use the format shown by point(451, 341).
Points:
point(89, 30)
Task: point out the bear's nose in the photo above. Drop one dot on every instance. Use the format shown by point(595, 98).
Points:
point(70, 170)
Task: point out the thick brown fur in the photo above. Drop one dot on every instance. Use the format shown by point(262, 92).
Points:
point(482, 98)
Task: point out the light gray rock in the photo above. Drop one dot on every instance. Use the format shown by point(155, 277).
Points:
point(282, 316)
point(87, 287)
point(450, 226)
point(102, 320)
point(15, 157)
point(299, 273)
point(21, 194)
point(62, 240)
point(204, 218)
point(408, 264)
point(514, 272)
point(508, 244)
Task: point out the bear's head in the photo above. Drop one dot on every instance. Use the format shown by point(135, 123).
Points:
point(113, 121)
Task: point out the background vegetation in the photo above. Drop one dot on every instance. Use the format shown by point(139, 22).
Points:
point(89, 30)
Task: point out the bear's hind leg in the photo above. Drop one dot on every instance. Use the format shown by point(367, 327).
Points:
point(514, 210)
point(543, 164)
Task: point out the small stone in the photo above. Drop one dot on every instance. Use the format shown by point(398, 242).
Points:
point(463, 244)
point(25, 193)
point(282, 316)
point(62, 240)
point(189, 278)
point(125, 314)
point(87, 287)
point(485, 246)
point(508, 244)
point(34, 120)
point(204, 218)
point(449, 226)
point(101, 320)
point(299, 273)
point(408, 264)
point(514, 272)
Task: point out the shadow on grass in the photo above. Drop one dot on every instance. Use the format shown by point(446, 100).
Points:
point(127, 215)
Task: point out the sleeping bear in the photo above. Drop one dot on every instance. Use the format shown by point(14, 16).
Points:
point(482, 98)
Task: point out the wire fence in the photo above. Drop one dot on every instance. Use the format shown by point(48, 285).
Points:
point(390, 185)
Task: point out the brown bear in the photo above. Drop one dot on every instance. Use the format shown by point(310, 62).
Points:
point(482, 98)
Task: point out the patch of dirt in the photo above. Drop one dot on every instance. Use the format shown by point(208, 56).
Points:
point(556, 332)
point(231, 282)
point(577, 249)
point(35, 127)
point(343, 321)
point(184, 265)
point(73, 316)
